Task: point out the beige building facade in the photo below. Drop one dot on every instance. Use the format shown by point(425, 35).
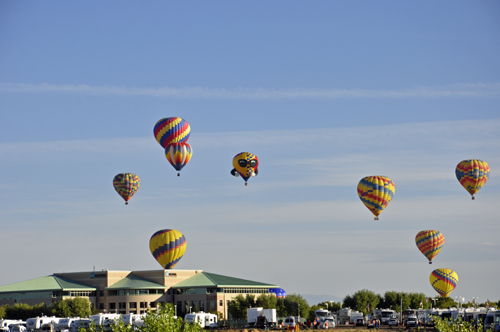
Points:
point(136, 291)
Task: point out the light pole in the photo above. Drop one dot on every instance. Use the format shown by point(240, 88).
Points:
point(326, 306)
point(190, 309)
point(457, 298)
point(175, 306)
point(474, 302)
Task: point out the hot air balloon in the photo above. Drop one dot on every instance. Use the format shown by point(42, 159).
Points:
point(245, 165)
point(171, 130)
point(126, 185)
point(429, 243)
point(376, 193)
point(472, 174)
point(279, 292)
point(167, 246)
point(178, 155)
point(444, 281)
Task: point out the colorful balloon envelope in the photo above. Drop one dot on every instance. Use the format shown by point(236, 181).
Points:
point(430, 243)
point(178, 155)
point(245, 165)
point(444, 281)
point(126, 185)
point(279, 292)
point(472, 174)
point(376, 193)
point(171, 130)
point(167, 247)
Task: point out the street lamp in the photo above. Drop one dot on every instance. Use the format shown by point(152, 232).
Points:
point(326, 306)
point(474, 302)
point(175, 306)
point(457, 298)
point(190, 309)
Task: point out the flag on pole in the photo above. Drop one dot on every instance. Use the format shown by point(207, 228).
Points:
point(420, 303)
point(368, 307)
point(427, 300)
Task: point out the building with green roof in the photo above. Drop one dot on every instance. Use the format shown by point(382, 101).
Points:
point(136, 291)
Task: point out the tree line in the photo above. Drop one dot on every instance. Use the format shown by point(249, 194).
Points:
point(364, 301)
point(74, 307)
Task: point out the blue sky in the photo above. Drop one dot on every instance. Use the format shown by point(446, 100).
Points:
point(323, 92)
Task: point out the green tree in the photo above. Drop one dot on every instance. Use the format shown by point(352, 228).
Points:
point(237, 308)
point(3, 311)
point(444, 302)
point(361, 299)
point(24, 311)
point(75, 307)
point(416, 299)
point(295, 304)
point(281, 308)
point(267, 301)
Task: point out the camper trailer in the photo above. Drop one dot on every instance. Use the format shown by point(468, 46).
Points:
point(206, 320)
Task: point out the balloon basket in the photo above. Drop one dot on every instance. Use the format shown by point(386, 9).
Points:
point(376, 218)
point(473, 198)
point(430, 262)
point(179, 174)
point(126, 203)
point(246, 184)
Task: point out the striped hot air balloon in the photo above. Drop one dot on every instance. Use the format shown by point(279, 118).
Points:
point(280, 292)
point(376, 193)
point(126, 185)
point(429, 242)
point(472, 174)
point(444, 281)
point(171, 130)
point(167, 246)
point(178, 155)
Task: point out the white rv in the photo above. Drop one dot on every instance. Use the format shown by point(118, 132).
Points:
point(6, 323)
point(206, 320)
point(37, 322)
point(101, 319)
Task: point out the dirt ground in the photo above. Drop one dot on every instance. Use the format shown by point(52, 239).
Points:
point(345, 328)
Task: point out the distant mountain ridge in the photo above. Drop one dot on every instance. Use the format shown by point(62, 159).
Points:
point(313, 299)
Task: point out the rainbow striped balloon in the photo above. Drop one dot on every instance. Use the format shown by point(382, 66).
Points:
point(167, 247)
point(376, 193)
point(472, 174)
point(430, 243)
point(178, 155)
point(444, 281)
point(126, 185)
point(171, 130)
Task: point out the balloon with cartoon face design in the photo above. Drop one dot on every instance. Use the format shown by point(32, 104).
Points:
point(245, 165)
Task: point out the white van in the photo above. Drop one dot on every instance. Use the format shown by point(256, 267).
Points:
point(291, 321)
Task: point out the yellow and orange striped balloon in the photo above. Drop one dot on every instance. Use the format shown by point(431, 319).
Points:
point(167, 246)
point(376, 193)
point(472, 174)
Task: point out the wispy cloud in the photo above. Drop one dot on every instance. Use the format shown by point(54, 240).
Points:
point(470, 90)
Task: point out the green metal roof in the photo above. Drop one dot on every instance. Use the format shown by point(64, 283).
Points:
point(47, 283)
point(133, 281)
point(210, 280)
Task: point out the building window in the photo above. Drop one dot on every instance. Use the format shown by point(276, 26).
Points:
point(220, 303)
point(132, 305)
point(101, 306)
point(212, 305)
point(202, 305)
point(152, 304)
point(112, 306)
point(144, 305)
point(122, 305)
point(101, 293)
